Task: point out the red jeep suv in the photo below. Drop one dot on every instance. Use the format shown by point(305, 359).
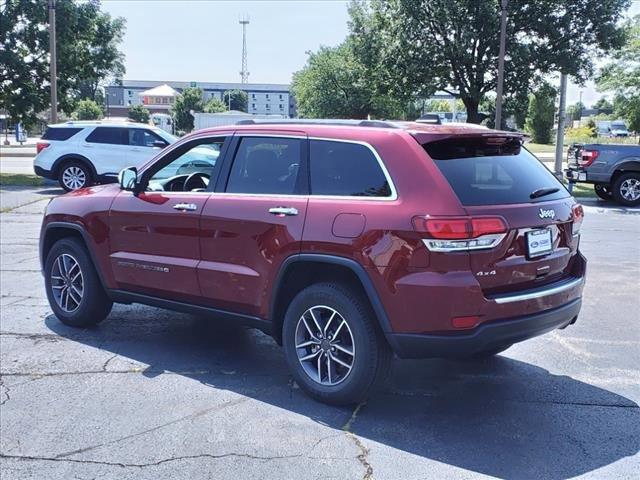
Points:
point(346, 241)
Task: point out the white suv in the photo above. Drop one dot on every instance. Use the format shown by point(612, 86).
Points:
point(79, 154)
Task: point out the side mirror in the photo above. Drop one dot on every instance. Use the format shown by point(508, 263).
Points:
point(128, 178)
point(160, 144)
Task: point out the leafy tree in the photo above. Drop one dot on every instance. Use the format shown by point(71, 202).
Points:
point(603, 104)
point(540, 115)
point(190, 99)
point(591, 125)
point(139, 113)
point(416, 47)
point(215, 105)
point(574, 112)
point(622, 75)
point(335, 84)
point(87, 53)
point(87, 110)
point(239, 100)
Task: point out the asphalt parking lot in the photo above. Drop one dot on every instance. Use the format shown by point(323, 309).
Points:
point(153, 394)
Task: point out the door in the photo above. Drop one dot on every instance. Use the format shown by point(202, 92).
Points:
point(141, 146)
point(155, 235)
point(253, 221)
point(108, 149)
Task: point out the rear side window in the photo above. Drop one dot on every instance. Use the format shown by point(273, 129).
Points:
point(110, 135)
point(61, 134)
point(485, 171)
point(346, 169)
point(265, 165)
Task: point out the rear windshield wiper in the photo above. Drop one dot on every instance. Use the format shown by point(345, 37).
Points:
point(541, 192)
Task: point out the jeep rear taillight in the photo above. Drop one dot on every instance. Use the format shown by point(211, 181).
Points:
point(454, 234)
point(578, 217)
point(41, 146)
point(587, 157)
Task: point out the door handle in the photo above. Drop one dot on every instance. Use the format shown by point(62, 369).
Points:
point(283, 211)
point(187, 207)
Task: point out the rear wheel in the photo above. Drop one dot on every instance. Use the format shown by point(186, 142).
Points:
point(74, 175)
point(74, 290)
point(603, 191)
point(626, 189)
point(332, 345)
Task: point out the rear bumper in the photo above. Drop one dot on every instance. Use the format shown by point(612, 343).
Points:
point(485, 336)
point(41, 172)
point(577, 175)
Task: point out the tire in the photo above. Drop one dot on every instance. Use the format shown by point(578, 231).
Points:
point(491, 352)
point(371, 355)
point(603, 191)
point(626, 189)
point(74, 175)
point(85, 303)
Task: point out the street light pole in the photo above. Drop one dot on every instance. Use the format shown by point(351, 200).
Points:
point(53, 61)
point(561, 122)
point(499, 87)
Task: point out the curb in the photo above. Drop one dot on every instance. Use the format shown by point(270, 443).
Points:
point(18, 154)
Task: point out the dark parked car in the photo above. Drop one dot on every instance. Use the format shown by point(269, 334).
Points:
point(614, 170)
point(346, 241)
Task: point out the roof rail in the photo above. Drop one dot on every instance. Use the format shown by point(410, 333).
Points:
point(304, 121)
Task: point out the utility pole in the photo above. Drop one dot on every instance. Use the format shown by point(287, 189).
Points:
point(499, 86)
point(561, 121)
point(244, 73)
point(53, 61)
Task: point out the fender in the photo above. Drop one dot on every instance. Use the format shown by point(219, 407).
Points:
point(85, 237)
point(629, 164)
point(72, 156)
point(355, 267)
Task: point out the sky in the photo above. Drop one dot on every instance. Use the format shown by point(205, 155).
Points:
point(201, 40)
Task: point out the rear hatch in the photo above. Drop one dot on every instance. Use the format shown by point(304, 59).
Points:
point(496, 178)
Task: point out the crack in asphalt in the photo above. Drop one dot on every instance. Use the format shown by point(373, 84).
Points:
point(249, 456)
point(5, 393)
point(364, 451)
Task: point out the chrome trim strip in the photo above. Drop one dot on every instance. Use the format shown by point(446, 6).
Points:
point(538, 294)
point(496, 238)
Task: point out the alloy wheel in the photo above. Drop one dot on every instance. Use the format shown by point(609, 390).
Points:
point(324, 345)
point(630, 189)
point(67, 282)
point(74, 177)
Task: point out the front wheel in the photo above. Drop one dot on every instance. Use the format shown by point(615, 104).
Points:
point(626, 189)
point(602, 191)
point(74, 175)
point(332, 345)
point(73, 287)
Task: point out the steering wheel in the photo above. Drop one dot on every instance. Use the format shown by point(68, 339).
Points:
point(196, 180)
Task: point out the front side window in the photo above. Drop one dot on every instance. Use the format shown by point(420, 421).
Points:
point(346, 169)
point(109, 135)
point(265, 165)
point(190, 169)
point(139, 137)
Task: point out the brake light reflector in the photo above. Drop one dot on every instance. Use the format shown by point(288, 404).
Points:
point(41, 146)
point(448, 234)
point(578, 217)
point(464, 322)
point(588, 157)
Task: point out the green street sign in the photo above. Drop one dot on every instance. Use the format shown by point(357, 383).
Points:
point(193, 84)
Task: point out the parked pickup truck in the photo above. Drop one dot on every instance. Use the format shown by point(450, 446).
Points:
point(614, 170)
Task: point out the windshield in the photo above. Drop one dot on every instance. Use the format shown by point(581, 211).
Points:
point(485, 171)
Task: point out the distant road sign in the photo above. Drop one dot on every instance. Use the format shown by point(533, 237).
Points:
point(193, 84)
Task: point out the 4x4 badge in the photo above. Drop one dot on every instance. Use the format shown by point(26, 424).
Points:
point(547, 213)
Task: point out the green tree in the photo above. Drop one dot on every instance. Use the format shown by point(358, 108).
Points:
point(190, 99)
point(416, 47)
point(574, 112)
point(239, 100)
point(622, 76)
point(87, 110)
point(603, 104)
point(334, 84)
point(87, 51)
point(540, 115)
point(215, 105)
point(139, 113)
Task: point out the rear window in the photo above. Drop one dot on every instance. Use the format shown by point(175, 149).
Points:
point(489, 171)
point(60, 134)
point(110, 135)
point(345, 169)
